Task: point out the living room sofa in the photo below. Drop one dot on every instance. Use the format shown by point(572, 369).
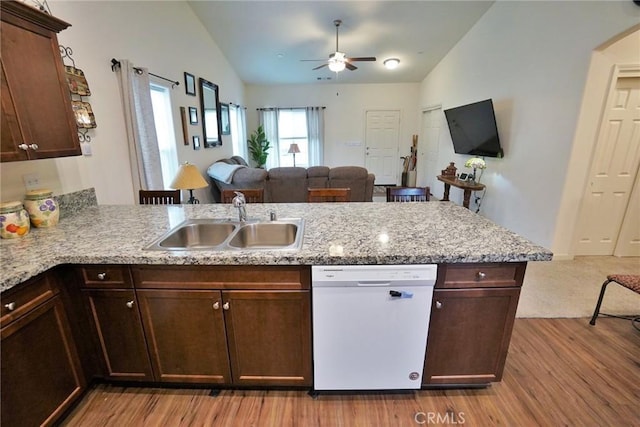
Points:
point(289, 184)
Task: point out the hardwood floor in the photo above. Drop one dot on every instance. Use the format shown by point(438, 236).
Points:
point(559, 372)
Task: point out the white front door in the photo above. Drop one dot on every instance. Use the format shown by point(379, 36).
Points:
point(613, 172)
point(381, 141)
point(428, 148)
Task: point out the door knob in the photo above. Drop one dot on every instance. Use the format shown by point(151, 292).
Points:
point(130, 304)
point(24, 147)
point(34, 147)
point(11, 306)
point(225, 306)
point(102, 276)
point(216, 305)
point(438, 305)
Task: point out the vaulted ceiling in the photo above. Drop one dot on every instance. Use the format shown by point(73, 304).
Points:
point(265, 41)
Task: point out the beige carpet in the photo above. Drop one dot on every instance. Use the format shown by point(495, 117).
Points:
point(571, 288)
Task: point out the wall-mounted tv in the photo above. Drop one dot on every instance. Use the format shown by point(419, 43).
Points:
point(473, 129)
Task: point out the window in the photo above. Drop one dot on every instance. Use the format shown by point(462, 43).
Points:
point(292, 129)
point(163, 118)
point(237, 123)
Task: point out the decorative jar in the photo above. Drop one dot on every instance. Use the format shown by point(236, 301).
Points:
point(14, 220)
point(42, 207)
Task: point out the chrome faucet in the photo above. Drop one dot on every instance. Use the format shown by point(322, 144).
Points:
point(240, 202)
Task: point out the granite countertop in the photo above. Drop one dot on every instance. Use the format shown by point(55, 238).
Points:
point(335, 233)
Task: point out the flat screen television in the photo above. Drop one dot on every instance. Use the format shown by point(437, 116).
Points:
point(473, 129)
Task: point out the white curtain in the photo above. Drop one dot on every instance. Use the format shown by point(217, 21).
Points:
point(144, 155)
point(268, 118)
point(239, 132)
point(315, 134)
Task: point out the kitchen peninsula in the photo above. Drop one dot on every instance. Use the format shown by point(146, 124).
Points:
point(91, 275)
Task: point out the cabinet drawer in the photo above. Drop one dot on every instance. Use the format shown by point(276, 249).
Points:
point(481, 275)
point(19, 300)
point(222, 277)
point(106, 276)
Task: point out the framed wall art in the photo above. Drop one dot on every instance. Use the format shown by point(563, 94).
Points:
point(190, 84)
point(193, 115)
point(196, 142)
point(224, 119)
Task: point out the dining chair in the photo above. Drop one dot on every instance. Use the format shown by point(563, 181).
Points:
point(318, 195)
point(159, 197)
point(407, 194)
point(629, 281)
point(251, 195)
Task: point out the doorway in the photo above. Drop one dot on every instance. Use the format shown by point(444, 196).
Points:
point(382, 145)
point(607, 223)
point(428, 149)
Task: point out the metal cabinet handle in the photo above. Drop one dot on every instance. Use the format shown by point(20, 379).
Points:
point(24, 147)
point(216, 305)
point(102, 276)
point(11, 306)
point(481, 275)
point(225, 306)
point(438, 305)
point(34, 147)
point(130, 304)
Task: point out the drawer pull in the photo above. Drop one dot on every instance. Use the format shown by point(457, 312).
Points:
point(438, 305)
point(216, 305)
point(130, 304)
point(102, 276)
point(225, 306)
point(34, 147)
point(24, 147)
point(11, 306)
point(481, 275)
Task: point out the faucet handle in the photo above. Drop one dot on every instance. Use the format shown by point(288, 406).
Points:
point(239, 199)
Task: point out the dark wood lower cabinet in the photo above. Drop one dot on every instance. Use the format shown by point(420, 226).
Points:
point(469, 335)
point(119, 329)
point(41, 375)
point(186, 335)
point(269, 335)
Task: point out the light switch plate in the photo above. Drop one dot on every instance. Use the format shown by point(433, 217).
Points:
point(31, 181)
point(86, 148)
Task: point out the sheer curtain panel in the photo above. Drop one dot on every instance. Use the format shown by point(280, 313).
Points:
point(268, 118)
point(144, 155)
point(315, 129)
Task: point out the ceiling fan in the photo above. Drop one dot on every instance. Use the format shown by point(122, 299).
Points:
point(338, 61)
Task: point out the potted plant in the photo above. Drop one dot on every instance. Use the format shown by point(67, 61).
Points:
point(258, 147)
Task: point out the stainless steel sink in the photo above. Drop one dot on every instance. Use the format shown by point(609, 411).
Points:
point(197, 234)
point(227, 235)
point(265, 235)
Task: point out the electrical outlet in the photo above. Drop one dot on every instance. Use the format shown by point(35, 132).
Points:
point(31, 181)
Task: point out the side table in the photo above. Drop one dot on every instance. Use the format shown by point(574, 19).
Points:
point(466, 186)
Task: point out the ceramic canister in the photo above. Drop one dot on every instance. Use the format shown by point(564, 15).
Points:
point(14, 220)
point(43, 209)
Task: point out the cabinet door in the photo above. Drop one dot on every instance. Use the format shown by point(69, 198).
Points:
point(35, 77)
point(469, 335)
point(41, 373)
point(119, 328)
point(269, 335)
point(186, 335)
point(11, 136)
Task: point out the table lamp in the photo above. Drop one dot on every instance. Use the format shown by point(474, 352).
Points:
point(293, 149)
point(189, 178)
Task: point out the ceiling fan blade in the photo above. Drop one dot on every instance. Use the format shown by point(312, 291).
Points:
point(350, 66)
point(312, 60)
point(320, 66)
point(364, 58)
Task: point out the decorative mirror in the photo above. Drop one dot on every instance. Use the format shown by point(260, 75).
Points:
point(211, 126)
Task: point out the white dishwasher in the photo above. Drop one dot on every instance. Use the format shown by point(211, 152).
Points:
point(370, 325)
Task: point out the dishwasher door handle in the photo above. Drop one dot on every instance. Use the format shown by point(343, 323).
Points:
point(374, 283)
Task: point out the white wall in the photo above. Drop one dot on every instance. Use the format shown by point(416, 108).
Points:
point(165, 37)
point(532, 59)
point(344, 114)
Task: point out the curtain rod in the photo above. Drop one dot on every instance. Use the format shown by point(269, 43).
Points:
point(285, 108)
point(115, 63)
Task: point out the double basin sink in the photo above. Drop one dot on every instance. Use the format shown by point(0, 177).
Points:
point(224, 234)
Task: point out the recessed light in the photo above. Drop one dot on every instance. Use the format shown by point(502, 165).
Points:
point(280, 55)
point(391, 63)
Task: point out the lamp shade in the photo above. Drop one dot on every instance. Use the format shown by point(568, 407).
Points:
point(293, 148)
point(188, 178)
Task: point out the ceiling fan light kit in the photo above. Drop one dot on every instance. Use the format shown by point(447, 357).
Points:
point(338, 61)
point(391, 63)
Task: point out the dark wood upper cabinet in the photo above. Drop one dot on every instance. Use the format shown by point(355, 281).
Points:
point(37, 118)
